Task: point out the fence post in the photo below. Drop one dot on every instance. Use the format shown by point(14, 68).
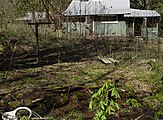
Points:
point(37, 43)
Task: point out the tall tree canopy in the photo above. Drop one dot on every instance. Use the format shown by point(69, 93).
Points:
point(148, 5)
point(56, 6)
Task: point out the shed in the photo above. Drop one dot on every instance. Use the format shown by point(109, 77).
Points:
point(36, 16)
point(110, 18)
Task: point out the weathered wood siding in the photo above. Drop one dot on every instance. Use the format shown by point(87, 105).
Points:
point(99, 28)
point(79, 28)
point(109, 26)
point(150, 32)
point(110, 29)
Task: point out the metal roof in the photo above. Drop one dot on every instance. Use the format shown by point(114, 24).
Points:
point(28, 16)
point(97, 7)
point(142, 13)
point(37, 16)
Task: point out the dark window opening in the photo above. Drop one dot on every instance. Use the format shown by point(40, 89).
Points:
point(137, 26)
point(84, 0)
point(129, 22)
point(74, 19)
point(106, 18)
point(152, 22)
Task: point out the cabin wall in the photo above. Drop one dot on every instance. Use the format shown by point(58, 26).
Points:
point(97, 25)
point(75, 25)
point(112, 26)
point(110, 29)
point(78, 28)
point(150, 32)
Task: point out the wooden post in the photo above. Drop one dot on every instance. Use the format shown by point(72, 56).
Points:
point(37, 43)
point(36, 35)
point(133, 26)
point(146, 30)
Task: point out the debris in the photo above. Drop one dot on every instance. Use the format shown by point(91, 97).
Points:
point(107, 60)
point(11, 115)
point(34, 101)
point(1, 48)
point(140, 115)
point(153, 64)
point(123, 90)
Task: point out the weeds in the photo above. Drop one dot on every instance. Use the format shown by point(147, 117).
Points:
point(75, 115)
point(158, 114)
point(134, 103)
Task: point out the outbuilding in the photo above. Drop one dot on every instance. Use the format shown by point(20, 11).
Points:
point(110, 18)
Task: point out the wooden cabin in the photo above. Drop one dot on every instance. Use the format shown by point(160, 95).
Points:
point(110, 18)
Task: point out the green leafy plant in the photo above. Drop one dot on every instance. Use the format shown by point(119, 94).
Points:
point(155, 66)
point(133, 102)
point(159, 97)
point(104, 101)
point(24, 118)
point(46, 118)
point(74, 115)
point(157, 114)
point(151, 102)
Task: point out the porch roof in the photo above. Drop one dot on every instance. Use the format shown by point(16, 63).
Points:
point(142, 13)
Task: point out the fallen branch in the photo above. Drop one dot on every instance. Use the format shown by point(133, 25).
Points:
point(140, 116)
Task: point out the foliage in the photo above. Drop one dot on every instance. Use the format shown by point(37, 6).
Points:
point(157, 114)
point(1, 74)
point(5, 34)
point(7, 13)
point(151, 102)
point(149, 5)
point(155, 103)
point(155, 66)
point(24, 5)
point(146, 4)
point(75, 115)
point(55, 6)
point(159, 97)
point(46, 117)
point(134, 103)
point(24, 118)
point(156, 77)
point(7, 39)
point(103, 101)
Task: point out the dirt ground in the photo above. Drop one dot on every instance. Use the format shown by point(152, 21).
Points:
point(61, 83)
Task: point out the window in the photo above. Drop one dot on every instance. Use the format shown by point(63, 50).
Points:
point(74, 19)
point(111, 19)
point(151, 22)
point(129, 22)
